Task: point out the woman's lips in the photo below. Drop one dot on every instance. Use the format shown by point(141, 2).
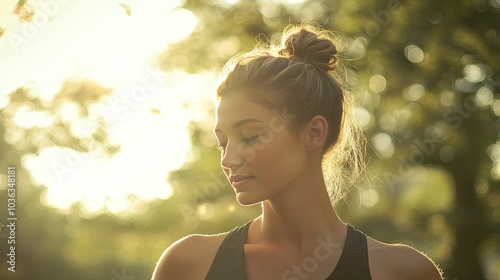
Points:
point(239, 183)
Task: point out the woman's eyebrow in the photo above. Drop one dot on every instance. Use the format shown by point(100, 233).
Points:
point(240, 123)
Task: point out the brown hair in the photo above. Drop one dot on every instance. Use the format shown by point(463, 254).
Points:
point(297, 76)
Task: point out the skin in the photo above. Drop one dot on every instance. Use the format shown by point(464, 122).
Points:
point(296, 209)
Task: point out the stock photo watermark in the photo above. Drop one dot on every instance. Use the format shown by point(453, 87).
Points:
point(11, 218)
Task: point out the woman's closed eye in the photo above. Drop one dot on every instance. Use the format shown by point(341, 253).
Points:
point(251, 139)
point(246, 140)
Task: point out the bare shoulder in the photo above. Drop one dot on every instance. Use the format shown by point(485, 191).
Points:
point(188, 258)
point(398, 261)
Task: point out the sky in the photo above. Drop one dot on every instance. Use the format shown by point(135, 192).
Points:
point(99, 40)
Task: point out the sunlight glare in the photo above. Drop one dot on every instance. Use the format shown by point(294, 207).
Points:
point(114, 44)
point(26, 118)
point(146, 154)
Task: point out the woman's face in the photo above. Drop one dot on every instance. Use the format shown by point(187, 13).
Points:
point(256, 144)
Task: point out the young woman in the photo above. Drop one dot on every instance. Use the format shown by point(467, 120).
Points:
point(289, 142)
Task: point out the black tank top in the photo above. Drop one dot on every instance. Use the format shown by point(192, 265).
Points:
point(228, 262)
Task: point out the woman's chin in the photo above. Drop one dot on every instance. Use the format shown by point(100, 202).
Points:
point(245, 199)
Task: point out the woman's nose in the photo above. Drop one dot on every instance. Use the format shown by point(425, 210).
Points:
point(231, 157)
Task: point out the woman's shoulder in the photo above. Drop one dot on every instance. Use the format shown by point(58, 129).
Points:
point(189, 257)
point(399, 261)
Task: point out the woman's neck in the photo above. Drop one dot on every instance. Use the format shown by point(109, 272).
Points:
point(301, 214)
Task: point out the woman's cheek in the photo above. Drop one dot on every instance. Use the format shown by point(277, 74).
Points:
point(247, 152)
point(258, 157)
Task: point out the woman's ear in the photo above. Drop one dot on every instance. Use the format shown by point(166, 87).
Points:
point(316, 131)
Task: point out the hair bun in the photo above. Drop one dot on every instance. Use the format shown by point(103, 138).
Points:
point(310, 47)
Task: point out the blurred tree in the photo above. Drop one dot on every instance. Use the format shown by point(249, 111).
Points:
point(443, 113)
point(41, 230)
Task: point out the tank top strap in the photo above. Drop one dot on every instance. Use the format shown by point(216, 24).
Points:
point(353, 262)
point(229, 259)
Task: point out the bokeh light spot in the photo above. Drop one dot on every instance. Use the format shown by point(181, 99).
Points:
point(388, 121)
point(474, 73)
point(377, 83)
point(494, 200)
point(495, 106)
point(447, 98)
point(494, 152)
point(383, 144)
point(481, 187)
point(369, 197)
point(484, 96)
point(363, 117)
point(414, 54)
point(414, 92)
point(495, 171)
